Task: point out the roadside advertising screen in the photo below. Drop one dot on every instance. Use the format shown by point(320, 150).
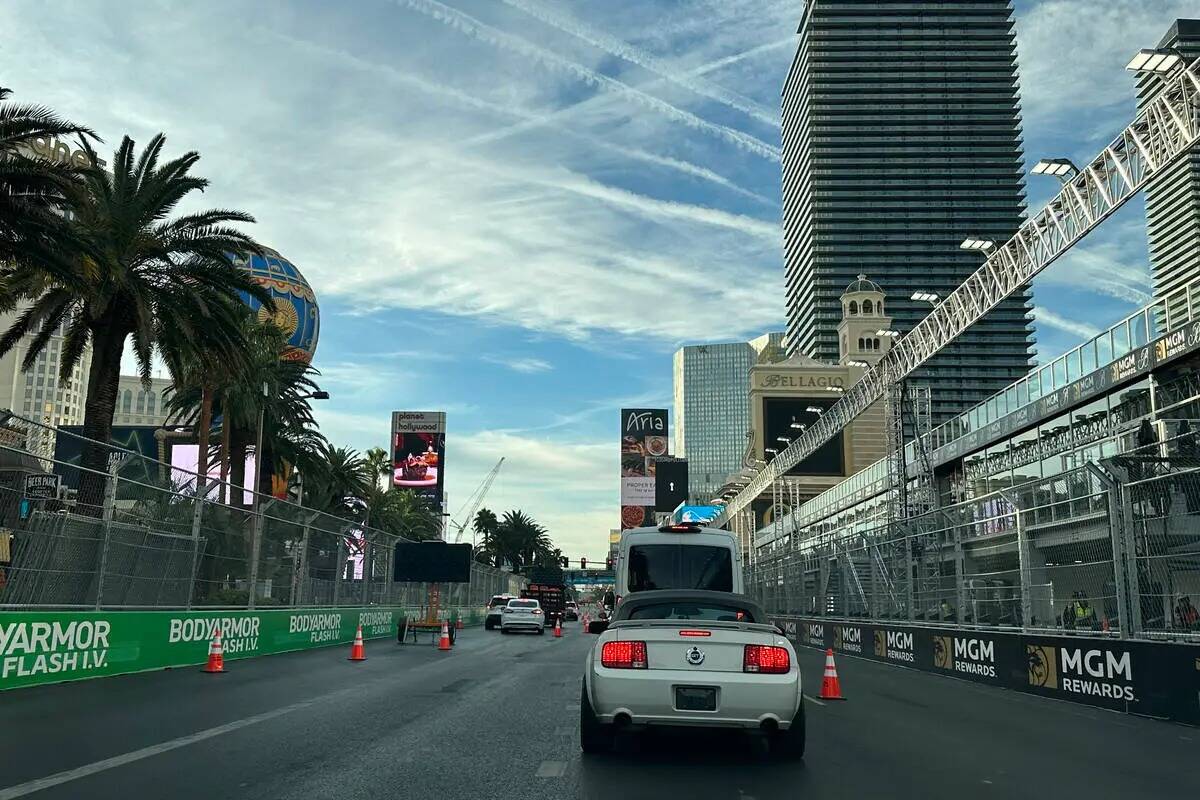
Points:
point(419, 454)
point(670, 483)
point(643, 439)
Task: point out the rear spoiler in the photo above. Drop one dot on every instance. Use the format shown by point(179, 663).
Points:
point(757, 627)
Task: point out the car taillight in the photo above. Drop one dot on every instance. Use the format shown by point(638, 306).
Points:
point(624, 655)
point(537, 611)
point(695, 633)
point(766, 659)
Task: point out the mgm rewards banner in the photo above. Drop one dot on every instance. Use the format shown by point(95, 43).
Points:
point(1158, 679)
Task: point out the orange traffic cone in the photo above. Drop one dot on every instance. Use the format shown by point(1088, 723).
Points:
point(558, 628)
point(458, 623)
point(831, 688)
point(444, 642)
point(216, 654)
point(357, 651)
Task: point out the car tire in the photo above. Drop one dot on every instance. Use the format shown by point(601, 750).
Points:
point(541, 631)
point(504, 630)
point(789, 745)
point(594, 735)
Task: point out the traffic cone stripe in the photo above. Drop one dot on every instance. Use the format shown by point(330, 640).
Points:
point(444, 641)
point(216, 654)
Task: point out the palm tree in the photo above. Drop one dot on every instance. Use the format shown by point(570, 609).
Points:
point(136, 276)
point(402, 512)
point(380, 464)
point(518, 540)
point(484, 525)
point(32, 225)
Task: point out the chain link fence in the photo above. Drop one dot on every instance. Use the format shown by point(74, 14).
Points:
point(1110, 547)
point(155, 540)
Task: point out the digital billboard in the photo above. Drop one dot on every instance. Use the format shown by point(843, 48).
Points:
point(643, 439)
point(419, 454)
point(700, 514)
point(670, 483)
point(781, 418)
point(434, 562)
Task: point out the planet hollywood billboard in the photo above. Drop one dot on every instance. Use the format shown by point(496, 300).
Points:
point(643, 439)
point(419, 454)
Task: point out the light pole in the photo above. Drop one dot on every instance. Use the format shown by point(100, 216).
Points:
point(979, 245)
point(1061, 168)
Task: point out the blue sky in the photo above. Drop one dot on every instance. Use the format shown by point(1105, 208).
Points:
point(516, 210)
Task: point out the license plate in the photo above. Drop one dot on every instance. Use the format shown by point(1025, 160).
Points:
point(695, 698)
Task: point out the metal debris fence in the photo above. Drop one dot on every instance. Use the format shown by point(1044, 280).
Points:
point(157, 542)
point(1109, 546)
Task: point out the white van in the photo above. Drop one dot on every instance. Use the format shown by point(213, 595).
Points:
point(681, 556)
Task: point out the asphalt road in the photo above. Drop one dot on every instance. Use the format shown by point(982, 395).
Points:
point(497, 718)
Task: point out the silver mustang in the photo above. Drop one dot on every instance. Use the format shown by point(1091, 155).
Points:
point(691, 658)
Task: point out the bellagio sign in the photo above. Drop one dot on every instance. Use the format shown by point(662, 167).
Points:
point(58, 151)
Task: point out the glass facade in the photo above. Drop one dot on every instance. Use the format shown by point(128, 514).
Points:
point(901, 138)
point(712, 408)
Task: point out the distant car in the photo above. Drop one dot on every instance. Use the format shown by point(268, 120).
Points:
point(522, 615)
point(571, 612)
point(495, 607)
point(691, 658)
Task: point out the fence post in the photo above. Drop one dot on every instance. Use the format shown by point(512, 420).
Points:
point(388, 567)
point(300, 565)
point(255, 552)
point(368, 552)
point(910, 582)
point(1129, 615)
point(1023, 565)
point(197, 524)
point(340, 561)
point(110, 502)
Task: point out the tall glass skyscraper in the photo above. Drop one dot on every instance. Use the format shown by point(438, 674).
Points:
point(901, 138)
point(1173, 196)
point(712, 407)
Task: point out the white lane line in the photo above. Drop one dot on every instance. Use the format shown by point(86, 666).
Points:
point(812, 699)
point(21, 790)
point(552, 769)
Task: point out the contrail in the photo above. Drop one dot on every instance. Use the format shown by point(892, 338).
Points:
point(704, 69)
point(1081, 329)
point(635, 55)
point(470, 26)
point(470, 101)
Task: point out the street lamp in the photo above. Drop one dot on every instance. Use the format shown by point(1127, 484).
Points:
point(977, 244)
point(770, 450)
point(1154, 61)
point(838, 389)
point(857, 362)
point(889, 333)
point(815, 410)
point(1061, 168)
point(925, 297)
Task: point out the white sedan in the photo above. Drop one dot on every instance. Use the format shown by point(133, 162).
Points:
point(691, 658)
point(523, 615)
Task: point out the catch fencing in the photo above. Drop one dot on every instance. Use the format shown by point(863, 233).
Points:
point(1109, 547)
point(147, 535)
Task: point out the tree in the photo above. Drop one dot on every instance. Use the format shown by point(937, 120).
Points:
point(135, 275)
point(402, 512)
point(517, 540)
point(379, 464)
point(484, 525)
point(32, 189)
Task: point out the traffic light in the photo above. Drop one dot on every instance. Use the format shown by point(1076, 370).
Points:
point(583, 563)
point(608, 563)
point(565, 562)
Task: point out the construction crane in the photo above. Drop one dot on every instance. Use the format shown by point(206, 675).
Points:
point(474, 501)
point(1165, 129)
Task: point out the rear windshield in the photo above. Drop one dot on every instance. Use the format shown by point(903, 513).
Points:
point(690, 609)
point(522, 603)
point(499, 601)
point(680, 566)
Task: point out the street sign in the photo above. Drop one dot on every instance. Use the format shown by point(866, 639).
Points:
point(41, 486)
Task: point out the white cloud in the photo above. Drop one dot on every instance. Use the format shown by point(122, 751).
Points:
point(1078, 328)
point(1072, 53)
point(636, 55)
point(526, 365)
point(472, 27)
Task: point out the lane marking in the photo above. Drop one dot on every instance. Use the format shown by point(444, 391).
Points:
point(814, 700)
point(29, 787)
point(552, 769)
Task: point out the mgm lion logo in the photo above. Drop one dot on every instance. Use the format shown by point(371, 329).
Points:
point(941, 652)
point(1043, 668)
point(880, 644)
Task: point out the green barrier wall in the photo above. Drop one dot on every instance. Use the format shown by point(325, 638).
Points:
point(38, 647)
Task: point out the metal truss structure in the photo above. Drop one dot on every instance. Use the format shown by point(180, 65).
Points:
point(1161, 133)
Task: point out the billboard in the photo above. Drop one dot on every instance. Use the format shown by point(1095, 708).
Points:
point(138, 439)
point(782, 414)
point(643, 439)
point(419, 454)
point(670, 483)
point(700, 514)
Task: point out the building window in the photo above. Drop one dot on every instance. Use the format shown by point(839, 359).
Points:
point(126, 401)
point(141, 402)
point(150, 402)
point(867, 308)
point(874, 344)
point(853, 308)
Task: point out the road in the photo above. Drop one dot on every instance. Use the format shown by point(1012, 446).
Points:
point(497, 718)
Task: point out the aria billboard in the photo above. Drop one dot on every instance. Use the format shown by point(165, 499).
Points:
point(419, 454)
point(643, 439)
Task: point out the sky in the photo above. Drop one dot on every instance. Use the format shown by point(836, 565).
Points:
point(515, 211)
